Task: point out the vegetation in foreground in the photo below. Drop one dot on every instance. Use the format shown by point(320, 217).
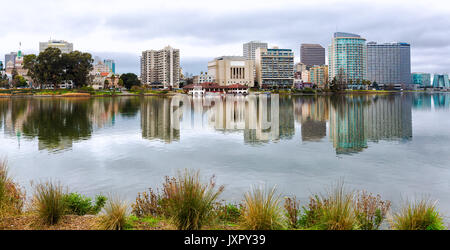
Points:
point(419, 215)
point(187, 202)
point(262, 210)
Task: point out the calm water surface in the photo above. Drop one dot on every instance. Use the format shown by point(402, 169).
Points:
point(396, 145)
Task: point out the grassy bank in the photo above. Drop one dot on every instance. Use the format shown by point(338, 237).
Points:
point(187, 201)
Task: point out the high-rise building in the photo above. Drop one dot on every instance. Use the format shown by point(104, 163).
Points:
point(161, 67)
point(64, 46)
point(312, 54)
point(347, 58)
point(250, 49)
point(111, 65)
point(11, 57)
point(389, 63)
point(319, 75)
point(275, 67)
point(441, 81)
point(421, 79)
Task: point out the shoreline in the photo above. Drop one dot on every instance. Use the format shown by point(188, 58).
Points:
point(368, 92)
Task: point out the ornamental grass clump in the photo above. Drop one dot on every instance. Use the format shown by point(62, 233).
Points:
point(418, 215)
point(332, 211)
point(262, 210)
point(115, 214)
point(338, 213)
point(11, 195)
point(48, 202)
point(188, 201)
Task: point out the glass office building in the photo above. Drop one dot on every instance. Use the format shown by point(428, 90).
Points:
point(111, 65)
point(389, 63)
point(421, 79)
point(441, 81)
point(347, 57)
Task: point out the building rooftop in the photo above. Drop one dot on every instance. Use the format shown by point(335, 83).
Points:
point(236, 58)
point(344, 34)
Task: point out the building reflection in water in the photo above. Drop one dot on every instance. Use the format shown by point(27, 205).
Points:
point(258, 117)
point(353, 121)
point(441, 101)
point(312, 113)
point(356, 120)
point(158, 120)
point(58, 122)
point(422, 101)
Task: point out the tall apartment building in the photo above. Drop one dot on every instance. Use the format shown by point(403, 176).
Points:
point(347, 57)
point(111, 65)
point(422, 79)
point(312, 54)
point(275, 67)
point(319, 75)
point(250, 49)
point(229, 70)
point(161, 68)
point(389, 63)
point(64, 46)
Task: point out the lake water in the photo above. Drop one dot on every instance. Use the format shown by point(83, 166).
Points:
point(397, 146)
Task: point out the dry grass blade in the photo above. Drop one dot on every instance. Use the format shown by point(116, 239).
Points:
point(418, 215)
point(48, 201)
point(262, 210)
point(115, 214)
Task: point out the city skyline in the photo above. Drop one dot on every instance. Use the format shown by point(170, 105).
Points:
point(122, 31)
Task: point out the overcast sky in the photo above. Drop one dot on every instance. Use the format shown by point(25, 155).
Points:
point(203, 30)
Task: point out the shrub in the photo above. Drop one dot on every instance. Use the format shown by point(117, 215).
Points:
point(147, 204)
point(312, 214)
point(49, 202)
point(370, 210)
point(115, 217)
point(11, 195)
point(419, 215)
point(292, 206)
point(188, 201)
point(82, 205)
point(88, 89)
point(261, 210)
point(228, 212)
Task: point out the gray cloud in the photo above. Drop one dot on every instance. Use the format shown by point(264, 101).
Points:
point(425, 27)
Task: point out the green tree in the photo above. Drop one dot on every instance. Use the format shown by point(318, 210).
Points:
point(77, 66)
point(19, 81)
point(30, 63)
point(130, 80)
point(52, 66)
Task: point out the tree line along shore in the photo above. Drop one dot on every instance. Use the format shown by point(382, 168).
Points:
point(189, 202)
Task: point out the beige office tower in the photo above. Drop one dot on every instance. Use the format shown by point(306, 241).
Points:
point(64, 46)
point(229, 70)
point(161, 68)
